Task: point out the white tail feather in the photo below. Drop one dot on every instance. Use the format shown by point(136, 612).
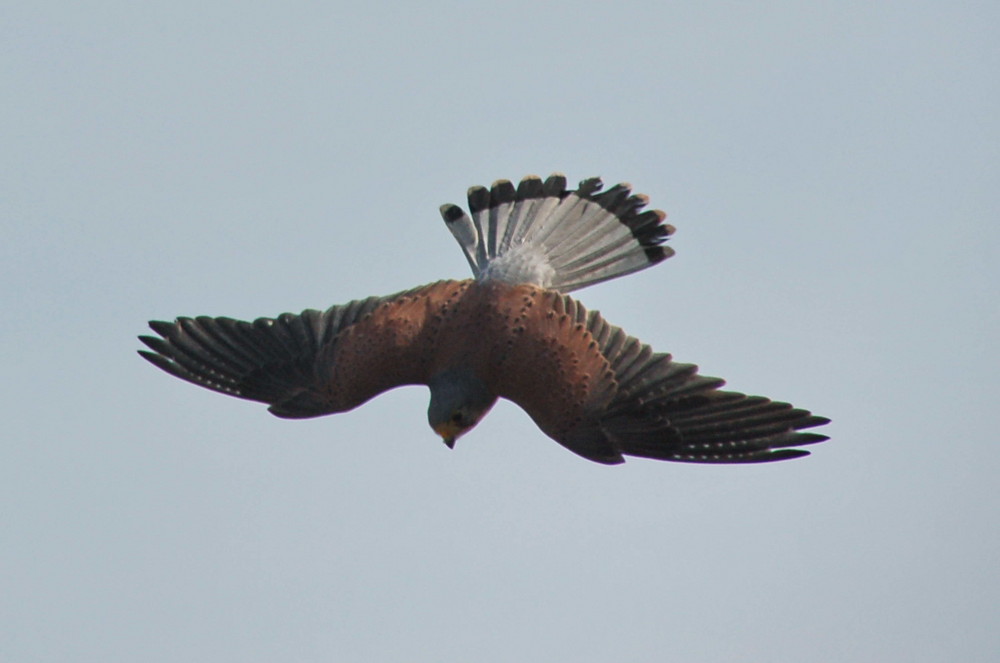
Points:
point(543, 234)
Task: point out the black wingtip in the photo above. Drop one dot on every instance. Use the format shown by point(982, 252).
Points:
point(810, 421)
point(157, 345)
point(163, 328)
point(163, 363)
point(784, 454)
point(810, 438)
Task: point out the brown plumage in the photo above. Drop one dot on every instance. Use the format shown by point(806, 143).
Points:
point(509, 333)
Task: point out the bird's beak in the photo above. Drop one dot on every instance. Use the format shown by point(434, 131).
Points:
point(448, 432)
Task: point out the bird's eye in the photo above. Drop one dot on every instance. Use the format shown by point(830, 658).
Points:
point(456, 418)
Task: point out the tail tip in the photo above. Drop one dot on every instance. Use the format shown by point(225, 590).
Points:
point(451, 213)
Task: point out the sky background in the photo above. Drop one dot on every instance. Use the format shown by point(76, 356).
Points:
point(832, 170)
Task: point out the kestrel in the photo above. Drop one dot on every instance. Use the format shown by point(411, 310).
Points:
point(510, 332)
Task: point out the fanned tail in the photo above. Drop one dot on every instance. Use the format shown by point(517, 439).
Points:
point(544, 234)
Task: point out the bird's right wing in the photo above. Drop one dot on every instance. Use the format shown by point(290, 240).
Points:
point(665, 410)
point(658, 408)
point(303, 365)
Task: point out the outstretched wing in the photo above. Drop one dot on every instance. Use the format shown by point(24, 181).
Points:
point(664, 410)
point(304, 365)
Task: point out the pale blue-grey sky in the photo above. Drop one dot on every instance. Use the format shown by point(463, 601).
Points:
point(832, 170)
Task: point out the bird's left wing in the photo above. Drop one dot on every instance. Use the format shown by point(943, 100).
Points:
point(302, 365)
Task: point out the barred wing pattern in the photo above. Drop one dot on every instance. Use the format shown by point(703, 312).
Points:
point(270, 360)
point(665, 410)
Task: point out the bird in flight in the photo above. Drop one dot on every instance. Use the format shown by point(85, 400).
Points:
point(510, 332)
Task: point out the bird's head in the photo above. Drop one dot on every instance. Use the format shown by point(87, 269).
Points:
point(459, 400)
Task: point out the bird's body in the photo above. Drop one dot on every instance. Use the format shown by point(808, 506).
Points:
point(511, 332)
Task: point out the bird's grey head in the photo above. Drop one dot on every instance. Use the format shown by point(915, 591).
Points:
point(458, 401)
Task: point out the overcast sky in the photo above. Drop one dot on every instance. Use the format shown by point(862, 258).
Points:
point(832, 171)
